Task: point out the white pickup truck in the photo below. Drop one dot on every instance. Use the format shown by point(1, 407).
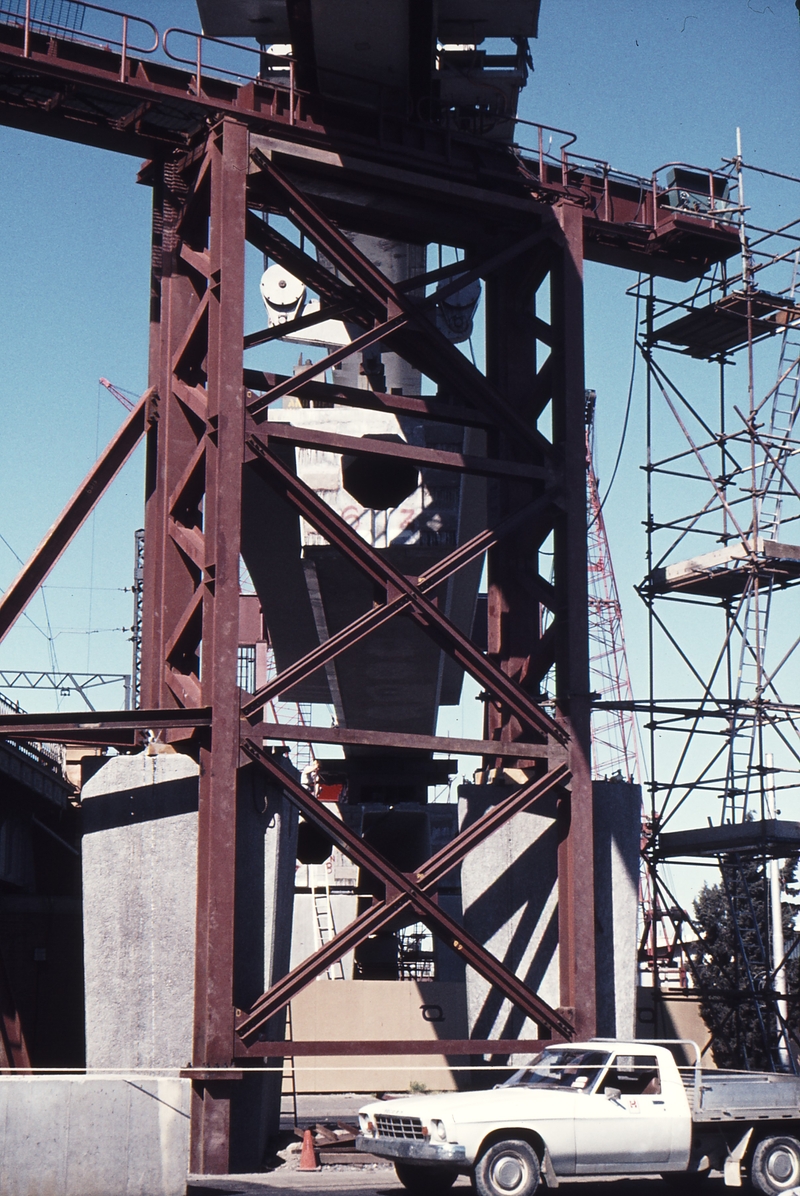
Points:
point(596, 1108)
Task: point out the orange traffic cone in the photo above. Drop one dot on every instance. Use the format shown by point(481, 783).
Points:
point(308, 1155)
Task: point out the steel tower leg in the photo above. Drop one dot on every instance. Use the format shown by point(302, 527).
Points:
point(521, 640)
point(193, 517)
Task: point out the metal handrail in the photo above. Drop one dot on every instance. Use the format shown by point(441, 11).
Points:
point(543, 154)
point(715, 213)
point(202, 67)
point(30, 21)
point(48, 755)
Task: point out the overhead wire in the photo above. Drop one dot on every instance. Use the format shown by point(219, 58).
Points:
point(628, 403)
point(47, 634)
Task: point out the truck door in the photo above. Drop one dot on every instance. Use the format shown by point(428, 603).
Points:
point(622, 1125)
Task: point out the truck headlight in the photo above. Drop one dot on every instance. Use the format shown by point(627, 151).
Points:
point(365, 1125)
point(438, 1130)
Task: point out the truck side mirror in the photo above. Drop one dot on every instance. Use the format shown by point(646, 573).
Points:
point(612, 1093)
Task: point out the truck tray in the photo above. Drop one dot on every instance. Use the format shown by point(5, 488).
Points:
point(746, 1096)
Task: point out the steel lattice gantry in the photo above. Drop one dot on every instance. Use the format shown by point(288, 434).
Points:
point(226, 159)
point(209, 424)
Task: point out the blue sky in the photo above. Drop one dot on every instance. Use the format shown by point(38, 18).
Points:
point(640, 83)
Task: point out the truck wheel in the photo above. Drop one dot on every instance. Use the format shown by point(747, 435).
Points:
point(775, 1166)
point(508, 1168)
point(425, 1181)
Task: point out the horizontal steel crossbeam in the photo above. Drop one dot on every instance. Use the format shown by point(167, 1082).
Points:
point(466, 1047)
point(303, 733)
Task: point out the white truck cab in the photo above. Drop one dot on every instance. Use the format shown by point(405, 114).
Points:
point(594, 1108)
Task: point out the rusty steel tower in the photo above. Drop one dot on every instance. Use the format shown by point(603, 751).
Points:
point(312, 159)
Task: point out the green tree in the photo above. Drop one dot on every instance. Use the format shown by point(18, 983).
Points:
point(732, 962)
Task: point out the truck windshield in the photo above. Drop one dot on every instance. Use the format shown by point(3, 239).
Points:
point(574, 1069)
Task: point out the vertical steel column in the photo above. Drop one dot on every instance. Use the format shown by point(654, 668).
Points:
point(175, 294)
point(576, 920)
point(522, 641)
point(513, 599)
point(213, 1027)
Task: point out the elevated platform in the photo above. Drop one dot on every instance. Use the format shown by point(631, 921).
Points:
point(75, 87)
point(725, 572)
point(722, 326)
point(772, 837)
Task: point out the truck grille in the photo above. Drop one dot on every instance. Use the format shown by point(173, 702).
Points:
point(398, 1127)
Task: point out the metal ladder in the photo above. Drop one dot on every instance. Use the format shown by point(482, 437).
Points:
point(324, 925)
point(290, 1077)
point(771, 485)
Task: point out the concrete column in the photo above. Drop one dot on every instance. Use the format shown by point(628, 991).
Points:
point(509, 888)
point(509, 891)
point(139, 885)
point(398, 261)
point(617, 836)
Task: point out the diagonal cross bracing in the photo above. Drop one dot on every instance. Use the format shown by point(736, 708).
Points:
point(438, 626)
point(74, 515)
point(404, 891)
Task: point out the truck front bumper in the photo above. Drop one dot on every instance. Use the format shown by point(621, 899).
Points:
point(410, 1151)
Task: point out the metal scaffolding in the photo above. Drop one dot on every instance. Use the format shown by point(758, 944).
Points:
point(723, 558)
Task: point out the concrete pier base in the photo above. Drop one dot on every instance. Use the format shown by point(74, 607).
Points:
point(509, 890)
point(94, 1136)
point(140, 880)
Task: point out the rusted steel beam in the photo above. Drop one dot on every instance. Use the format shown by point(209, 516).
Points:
point(294, 732)
point(294, 259)
point(491, 820)
point(368, 622)
point(372, 400)
point(216, 827)
point(74, 515)
point(576, 889)
point(79, 96)
point(421, 343)
point(258, 407)
point(380, 915)
point(409, 1046)
point(363, 446)
point(375, 566)
point(300, 324)
point(63, 723)
point(175, 467)
point(401, 891)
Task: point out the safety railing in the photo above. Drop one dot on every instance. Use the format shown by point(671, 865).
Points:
point(706, 196)
point(91, 24)
point(220, 59)
point(51, 756)
point(543, 155)
point(217, 58)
